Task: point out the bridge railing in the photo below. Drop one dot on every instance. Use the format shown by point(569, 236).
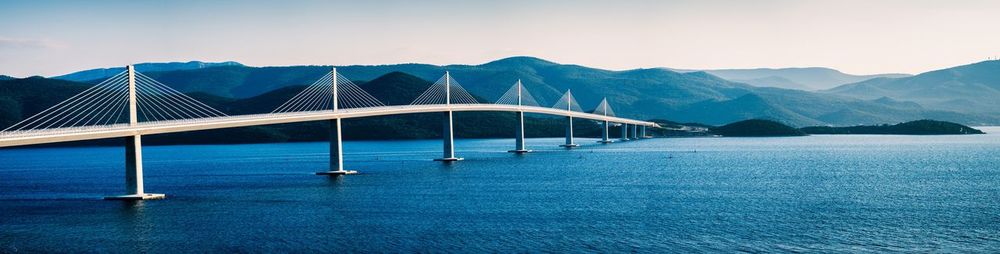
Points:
point(58, 131)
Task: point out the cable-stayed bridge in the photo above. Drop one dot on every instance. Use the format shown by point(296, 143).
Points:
point(130, 104)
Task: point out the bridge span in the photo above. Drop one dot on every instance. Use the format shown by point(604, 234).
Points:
point(130, 105)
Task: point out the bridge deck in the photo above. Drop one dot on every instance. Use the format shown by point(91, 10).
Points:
point(20, 138)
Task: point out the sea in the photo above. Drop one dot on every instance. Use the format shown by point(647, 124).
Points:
point(820, 193)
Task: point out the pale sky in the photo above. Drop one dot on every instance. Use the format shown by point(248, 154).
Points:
point(859, 37)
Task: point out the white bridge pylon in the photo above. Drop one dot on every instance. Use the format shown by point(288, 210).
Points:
point(518, 96)
point(569, 103)
point(446, 91)
point(331, 92)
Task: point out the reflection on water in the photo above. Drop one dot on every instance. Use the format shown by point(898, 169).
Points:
point(817, 193)
point(134, 224)
point(336, 180)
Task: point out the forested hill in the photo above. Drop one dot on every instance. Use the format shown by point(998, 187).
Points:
point(919, 127)
point(640, 93)
point(972, 88)
point(769, 128)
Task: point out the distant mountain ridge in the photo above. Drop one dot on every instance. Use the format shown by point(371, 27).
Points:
point(102, 73)
point(654, 93)
point(775, 81)
point(808, 78)
point(545, 80)
point(968, 88)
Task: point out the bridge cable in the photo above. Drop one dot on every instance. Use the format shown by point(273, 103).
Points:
point(430, 96)
point(319, 96)
point(67, 110)
point(170, 108)
point(510, 97)
point(108, 99)
point(438, 92)
point(604, 108)
point(172, 98)
point(363, 98)
point(568, 102)
point(308, 96)
point(80, 109)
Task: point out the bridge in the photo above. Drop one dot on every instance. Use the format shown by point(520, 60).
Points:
point(130, 104)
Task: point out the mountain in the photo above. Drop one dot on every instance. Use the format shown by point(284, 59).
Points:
point(5, 77)
point(655, 93)
point(969, 88)
point(396, 88)
point(749, 106)
point(545, 80)
point(94, 74)
point(20, 98)
point(809, 79)
point(774, 81)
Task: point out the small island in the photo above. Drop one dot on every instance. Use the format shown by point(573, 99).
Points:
point(769, 128)
point(757, 128)
point(919, 127)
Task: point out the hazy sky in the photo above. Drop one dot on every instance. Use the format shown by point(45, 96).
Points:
point(860, 37)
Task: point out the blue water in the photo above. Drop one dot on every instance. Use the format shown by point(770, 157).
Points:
point(816, 193)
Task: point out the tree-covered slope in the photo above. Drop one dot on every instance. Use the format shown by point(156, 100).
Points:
point(641, 93)
point(970, 88)
point(545, 80)
point(20, 98)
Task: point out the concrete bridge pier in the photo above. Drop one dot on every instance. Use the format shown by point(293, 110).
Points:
point(625, 132)
point(133, 172)
point(642, 132)
point(519, 147)
point(635, 132)
point(133, 152)
point(336, 152)
point(449, 139)
point(604, 133)
point(569, 134)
